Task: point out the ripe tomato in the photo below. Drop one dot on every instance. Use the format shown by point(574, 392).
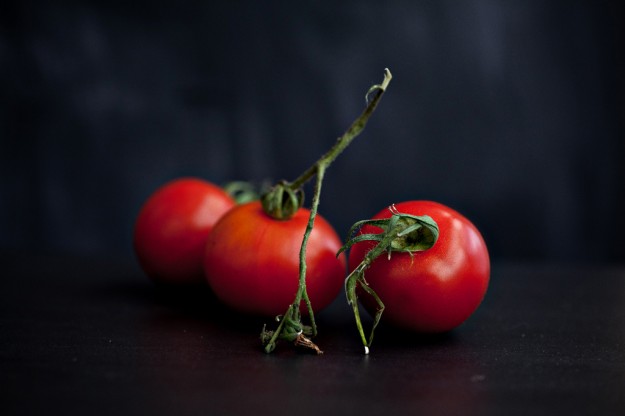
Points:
point(172, 226)
point(252, 260)
point(434, 290)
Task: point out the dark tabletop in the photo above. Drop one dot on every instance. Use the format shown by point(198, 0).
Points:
point(95, 337)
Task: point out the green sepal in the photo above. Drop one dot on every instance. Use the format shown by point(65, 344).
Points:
point(418, 236)
point(358, 239)
point(282, 202)
point(401, 232)
point(241, 191)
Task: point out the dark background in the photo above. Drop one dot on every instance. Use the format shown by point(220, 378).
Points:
point(512, 112)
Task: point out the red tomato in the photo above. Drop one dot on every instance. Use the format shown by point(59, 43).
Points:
point(434, 290)
point(252, 261)
point(172, 226)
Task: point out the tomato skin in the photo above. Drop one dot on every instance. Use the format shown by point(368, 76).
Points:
point(252, 261)
point(172, 226)
point(437, 289)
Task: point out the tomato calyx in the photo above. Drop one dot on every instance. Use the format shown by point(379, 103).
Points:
point(402, 233)
point(241, 191)
point(282, 201)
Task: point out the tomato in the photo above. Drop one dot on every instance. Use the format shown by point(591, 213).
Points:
point(434, 290)
point(252, 261)
point(172, 226)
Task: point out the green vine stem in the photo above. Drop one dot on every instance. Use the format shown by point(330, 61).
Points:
point(284, 199)
point(402, 233)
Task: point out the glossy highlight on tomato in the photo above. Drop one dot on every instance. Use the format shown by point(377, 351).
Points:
point(430, 291)
point(172, 226)
point(252, 261)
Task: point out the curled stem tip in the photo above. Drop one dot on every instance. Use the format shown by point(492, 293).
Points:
point(380, 87)
point(387, 79)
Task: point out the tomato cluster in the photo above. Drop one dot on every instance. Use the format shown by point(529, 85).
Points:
point(265, 257)
point(190, 231)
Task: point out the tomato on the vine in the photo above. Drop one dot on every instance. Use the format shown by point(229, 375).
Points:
point(172, 226)
point(252, 260)
point(429, 291)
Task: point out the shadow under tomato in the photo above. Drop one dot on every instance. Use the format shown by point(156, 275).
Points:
point(199, 302)
point(388, 334)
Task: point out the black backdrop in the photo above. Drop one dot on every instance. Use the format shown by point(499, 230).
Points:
point(511, 112)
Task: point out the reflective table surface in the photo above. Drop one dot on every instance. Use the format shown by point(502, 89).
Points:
point(95, 337)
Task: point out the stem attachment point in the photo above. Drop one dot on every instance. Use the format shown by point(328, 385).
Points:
point(282, 201)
